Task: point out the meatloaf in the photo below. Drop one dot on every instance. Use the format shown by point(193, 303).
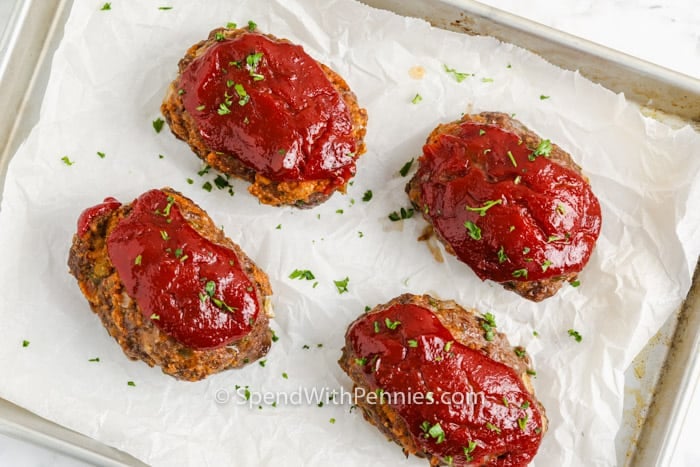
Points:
point(170, 287)
point(259, 108)
point(511, 205)
point(443, 383)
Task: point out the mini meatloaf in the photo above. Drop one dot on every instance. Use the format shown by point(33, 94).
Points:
point(257, 107)
point(443, 384)
point(512, 206)
point(170, 287)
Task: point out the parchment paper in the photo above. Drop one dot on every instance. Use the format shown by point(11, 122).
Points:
point(107, 81)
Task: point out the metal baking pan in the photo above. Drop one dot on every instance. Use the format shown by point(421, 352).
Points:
point(659, 382)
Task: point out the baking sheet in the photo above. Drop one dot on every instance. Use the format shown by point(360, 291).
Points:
point(102, 98)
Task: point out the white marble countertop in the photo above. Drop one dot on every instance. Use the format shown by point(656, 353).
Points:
point(665, 32)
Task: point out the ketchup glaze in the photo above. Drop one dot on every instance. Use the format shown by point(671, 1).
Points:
point(270, 104)
point(192, 289)
point(507, 210)
point(405, 349)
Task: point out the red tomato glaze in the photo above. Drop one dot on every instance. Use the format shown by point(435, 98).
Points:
point(543, 219)
point(478, 403)
point(89, 215)
point(271, 105)
point(190, 288)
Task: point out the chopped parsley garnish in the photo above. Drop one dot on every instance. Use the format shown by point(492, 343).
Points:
point(339, 211)
point(406, 167)
point(342, 285)
point(402, 214)
point(575, 283)
point(106, 6)
point(412, 343)
point(517, 180)
point(101, 154)
point(155, 316)
point(66, 160)
point(274, 336)
point(554, 238)
point(512, 159)
point(561, 209)
point(531, 372)
point(526, 250)
point(493, 427)
point(525, 405)
point(361, 361)
point(482, 132)
point(223, 109)
point(391, 324)
point(474, 230)
point(302, 274)
point(165, 8)
point(207, 186)
point(219, 36)
point(488, 324)
point(25, 343)
point(231, 25)
point(94, 360)
point(543, 97)
point(252, 62)
point(458, 76)
point(158, 124)
point(332, 421)
point(535, 333)
point(416, 99)
point(546, 264)
point(204, 170)
point(164, 235)
point(520, 273)
point(575, 334)
point(376, 327)
point(262, 363)
point(448, 346)
point(285, 375)
point(244, 97)
point(251, 25)
point(437, 433)
point(502, 258)
point(542, 149)
point(130, 383)
point(468, 450)
point(522, 422)
point(367, 196)
point(201, 107)
point(137, 260)
point(485, 207)
point(520, 352)
point(505, 401)
point(190, 181)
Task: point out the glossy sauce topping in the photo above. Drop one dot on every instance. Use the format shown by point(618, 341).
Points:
point(89, 215)
point(271, 104)
point(473, 408)
point(190, 288)
point(507, 210)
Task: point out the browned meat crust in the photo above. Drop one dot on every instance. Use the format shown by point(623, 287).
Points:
point(304, 194)
point(466, 327)
point(99, 281)
point(536, 290)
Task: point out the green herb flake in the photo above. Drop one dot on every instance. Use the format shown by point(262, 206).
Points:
point(285, 375)
point(207, 186)
point(158, 124)
point(101, 154)
point(106, 7)
point(517, 180)
point(402, 214)
point(376, 327)
point(332, 421)
point(448, 346)
point(535, 333)
point(201, 107)
point(575, 334)
point(458, 76)
point(223, 109)
point(130, 383)
point(482, 132)
point(531, 372)
point(542, 149)
point(25, 343)
point(412, 343)
point(361, 361)
point(575, 283)
point(155, 317)
point(367, 196)
point(543, 97)
point(520, 273)
point(474, 230)
point(339, 211)
point(165, 8)
point(505, 402)
point(252, 26)
point(66, 160)
point(554, 238)
point(164, 235)
point(342, 285)
point(274, 337)
point(137, 260)
point(406, 167)
point(391, 324)
point(231, 25)
point(416, 99)
point(520, 352)
point(545, 265)
point(526, 250)
point(94, 360)
point(525, 405)
point(242, 94)
point(502, 257)
point(468, 450)
point(302, 274)
point(512, 159)
point(561, 209)
point(219, 36)
point(262, 363)
point(436, 432)
point(522, 422)
point(493, 427)
point(484, 207)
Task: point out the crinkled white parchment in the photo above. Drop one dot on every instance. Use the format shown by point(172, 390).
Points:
point(107, 81)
